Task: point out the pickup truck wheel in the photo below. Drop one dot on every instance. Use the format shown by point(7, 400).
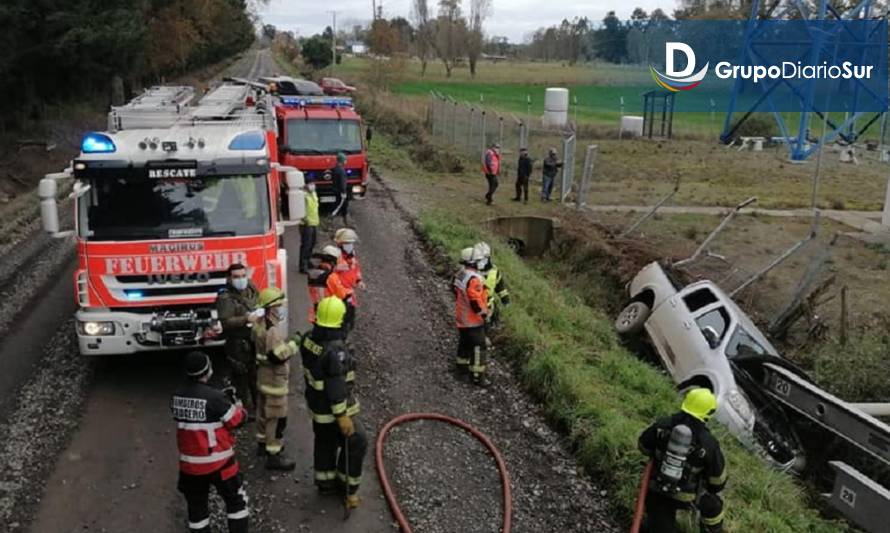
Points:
point(631, 319)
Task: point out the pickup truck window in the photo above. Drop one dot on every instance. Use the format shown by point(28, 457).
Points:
point(697, 299)
point(743, 344)
point(715, 318)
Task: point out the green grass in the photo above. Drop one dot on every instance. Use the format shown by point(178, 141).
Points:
point(604, 397)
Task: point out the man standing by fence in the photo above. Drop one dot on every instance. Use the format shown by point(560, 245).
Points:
point(491, 165)
point(552, 165)
point(523, 173)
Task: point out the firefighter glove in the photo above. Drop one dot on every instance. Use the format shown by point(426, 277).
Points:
point(346, 426)
point(230, 394)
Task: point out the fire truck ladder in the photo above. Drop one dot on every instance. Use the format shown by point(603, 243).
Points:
point(157, 107)
point(226, 104)
point(861, 499)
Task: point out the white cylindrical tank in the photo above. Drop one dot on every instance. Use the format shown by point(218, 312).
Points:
point(556, 106)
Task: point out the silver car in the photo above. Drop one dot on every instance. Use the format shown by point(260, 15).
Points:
point(704, 339)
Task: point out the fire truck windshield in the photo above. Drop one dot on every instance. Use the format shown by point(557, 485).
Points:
point(118, 209)
point(323, 136)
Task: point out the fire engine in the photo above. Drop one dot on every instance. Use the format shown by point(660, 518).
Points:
point(164, 201)
point(313, 130)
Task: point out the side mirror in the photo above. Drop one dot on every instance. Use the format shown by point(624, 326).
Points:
point(368, 134)
point(711, 336)
point(49, 209)
point(296, 198)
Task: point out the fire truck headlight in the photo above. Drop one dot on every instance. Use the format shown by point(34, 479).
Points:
point(249, 140)
point(96, 329)
point(357, 189)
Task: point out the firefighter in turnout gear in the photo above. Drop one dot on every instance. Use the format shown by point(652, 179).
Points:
point(689, 470)
point(326, 281)
point(273, 372)
point(236, 310)
point(329, 368)
point(205, 417)
point(498, 295)
point(471, 313)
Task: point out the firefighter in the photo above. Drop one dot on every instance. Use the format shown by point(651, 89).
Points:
point(326, 281)
point(236, 310)
point(689, 471)
point(498, 295)
point(340, 183)
point(308, 227)
point(205, 417)
point(273, 372)
point(466, 255)
point(348, 267)
point(471, 313)
point(329, 368)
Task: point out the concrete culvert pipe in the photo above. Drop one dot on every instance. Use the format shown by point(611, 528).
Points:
point(528, 236)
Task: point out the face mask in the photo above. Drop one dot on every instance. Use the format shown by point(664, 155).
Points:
point(239, 283)
point(273, 314)
point(310, 187)
point(348, 248)
point(481, 264)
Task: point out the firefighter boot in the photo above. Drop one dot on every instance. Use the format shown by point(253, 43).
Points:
point(353, 501)
point(279, 461)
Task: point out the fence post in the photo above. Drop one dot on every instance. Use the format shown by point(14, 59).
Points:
point(483, 132)
point(454, 123)
point(589, 160)
point(472, 127)
point(568, 166)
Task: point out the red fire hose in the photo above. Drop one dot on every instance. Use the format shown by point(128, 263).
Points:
point(641, 498)
point(384, 479)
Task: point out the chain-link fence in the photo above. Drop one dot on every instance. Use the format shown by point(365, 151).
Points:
point(470, 129)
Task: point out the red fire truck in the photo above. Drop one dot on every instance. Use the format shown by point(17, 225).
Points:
point(313, 130)
point(164, 201)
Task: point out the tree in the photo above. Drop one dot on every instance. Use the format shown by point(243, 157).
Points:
point(423, 43)
point(269, 31)
point(404, 34)
point(316, 52)
point(610, 41)
point(479, 11)
point(450, 31)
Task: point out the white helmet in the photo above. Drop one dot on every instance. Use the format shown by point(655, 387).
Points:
point(345, 235)
point(331, 251)
point(466, 255)
point(481, 250)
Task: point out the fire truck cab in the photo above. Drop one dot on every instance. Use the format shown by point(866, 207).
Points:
point(313, 130)
point(165, 201)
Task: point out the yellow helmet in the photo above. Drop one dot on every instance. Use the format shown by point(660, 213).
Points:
point(700, 403)
point(271, 296)
point(330, 312)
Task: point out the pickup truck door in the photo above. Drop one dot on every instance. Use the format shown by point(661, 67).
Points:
point(668, 328)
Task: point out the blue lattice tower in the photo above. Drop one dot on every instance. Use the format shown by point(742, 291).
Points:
point(821, 45)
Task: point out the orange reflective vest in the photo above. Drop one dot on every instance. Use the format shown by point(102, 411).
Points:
point(469, 288)
point(323, 283)
point(350, 272)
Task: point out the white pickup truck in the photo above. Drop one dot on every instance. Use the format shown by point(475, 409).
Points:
point(704, 339)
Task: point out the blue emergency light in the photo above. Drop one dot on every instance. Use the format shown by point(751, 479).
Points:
point(316, 101)
point(97, 143)
point(251, 140)
point(133, 295)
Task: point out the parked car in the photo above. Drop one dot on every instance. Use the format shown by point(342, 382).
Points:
point(288, 86)
point(704, 339)
point(335, 87)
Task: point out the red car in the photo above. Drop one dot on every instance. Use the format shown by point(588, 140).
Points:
point(335, 87)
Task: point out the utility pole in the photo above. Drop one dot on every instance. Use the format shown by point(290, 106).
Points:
point(333, 42)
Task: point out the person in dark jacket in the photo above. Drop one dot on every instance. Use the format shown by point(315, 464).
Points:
point(523, 173)
point(236, 307)
point(341, 188)
point(552, 164)
point(703, 471)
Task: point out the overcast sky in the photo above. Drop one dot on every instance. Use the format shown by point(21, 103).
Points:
point(513, 18)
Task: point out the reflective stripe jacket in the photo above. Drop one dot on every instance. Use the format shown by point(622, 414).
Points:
point(471, 299)
point(329, 370)
point(498, 294)
point(323, 282)
point(272, 351)
point(705, 465)
point(204, 420)
point(350, 272)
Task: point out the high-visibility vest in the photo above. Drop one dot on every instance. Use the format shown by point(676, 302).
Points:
point(312, 218)
point(492, 280)
point(470, 287)
point(323, 283)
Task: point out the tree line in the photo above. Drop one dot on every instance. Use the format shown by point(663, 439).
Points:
point(68, 50)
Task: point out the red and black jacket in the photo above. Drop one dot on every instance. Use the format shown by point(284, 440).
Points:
point(204, 420)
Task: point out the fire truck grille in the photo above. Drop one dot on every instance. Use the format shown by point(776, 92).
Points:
point(166, 287)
